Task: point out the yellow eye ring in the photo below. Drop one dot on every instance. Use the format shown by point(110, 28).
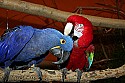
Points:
point(62, 41)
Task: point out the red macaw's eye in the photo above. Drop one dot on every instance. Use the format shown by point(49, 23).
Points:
point(79, 27)
point(62, 41)
point(78, 30)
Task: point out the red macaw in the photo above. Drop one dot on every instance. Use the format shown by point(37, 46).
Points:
point(81, 30)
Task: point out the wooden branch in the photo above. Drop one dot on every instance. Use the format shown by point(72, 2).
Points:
point(55, 75)
point(40, 10)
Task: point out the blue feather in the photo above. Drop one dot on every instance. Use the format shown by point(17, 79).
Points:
point(27, 44)
point(14, 41)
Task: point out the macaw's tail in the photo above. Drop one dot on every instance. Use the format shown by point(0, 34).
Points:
point(90, 55)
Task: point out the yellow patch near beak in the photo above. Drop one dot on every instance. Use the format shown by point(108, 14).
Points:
point(55, 47)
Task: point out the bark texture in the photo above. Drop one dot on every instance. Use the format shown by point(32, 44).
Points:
point(56, 75)
point(40, 10)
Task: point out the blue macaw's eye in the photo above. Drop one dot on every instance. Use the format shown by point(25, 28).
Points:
point(62, 41)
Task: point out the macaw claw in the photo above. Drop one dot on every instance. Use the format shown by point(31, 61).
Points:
point(6, 74)
point(39, 73)
point(64, 72)
point(79, 74)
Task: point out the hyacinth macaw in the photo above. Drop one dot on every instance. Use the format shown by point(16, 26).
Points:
point(25, 46)
point(81, 57)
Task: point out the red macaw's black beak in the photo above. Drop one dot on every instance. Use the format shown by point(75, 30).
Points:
point(59, 53)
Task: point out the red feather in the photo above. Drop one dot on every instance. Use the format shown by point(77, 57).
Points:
point(78, 58)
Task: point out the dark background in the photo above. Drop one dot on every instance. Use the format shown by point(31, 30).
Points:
point(109, 42)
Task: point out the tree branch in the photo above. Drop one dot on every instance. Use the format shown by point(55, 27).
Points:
point(55, 75)
point(40, 10)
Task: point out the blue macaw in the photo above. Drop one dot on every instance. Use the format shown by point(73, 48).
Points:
point(24, 46)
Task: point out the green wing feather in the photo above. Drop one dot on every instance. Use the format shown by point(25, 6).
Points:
point(90, 59)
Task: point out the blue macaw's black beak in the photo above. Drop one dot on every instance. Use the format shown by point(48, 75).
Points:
point(61, 54)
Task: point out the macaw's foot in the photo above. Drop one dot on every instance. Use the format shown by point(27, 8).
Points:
point(79, 74)
point(39, 73)
point(64, 72)
point(6, 74)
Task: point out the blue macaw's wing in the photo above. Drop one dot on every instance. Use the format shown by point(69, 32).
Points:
point(41, 42)
point(13, 42)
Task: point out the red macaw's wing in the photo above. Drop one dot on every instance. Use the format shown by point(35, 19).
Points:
point(13, 41)
point(78, 59)
point(90, 55)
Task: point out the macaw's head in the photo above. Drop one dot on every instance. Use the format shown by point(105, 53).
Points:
point(63, 49)
point(76, 25)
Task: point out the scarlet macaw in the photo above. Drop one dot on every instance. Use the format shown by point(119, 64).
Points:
point(81, 57)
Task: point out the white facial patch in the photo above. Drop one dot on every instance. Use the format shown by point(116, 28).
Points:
point(68, 28)
point(78, 29)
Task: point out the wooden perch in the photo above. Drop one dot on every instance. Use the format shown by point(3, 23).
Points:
point(40, 10)
point(55, 75)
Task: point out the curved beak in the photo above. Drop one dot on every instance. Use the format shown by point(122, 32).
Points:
point(59, 53)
